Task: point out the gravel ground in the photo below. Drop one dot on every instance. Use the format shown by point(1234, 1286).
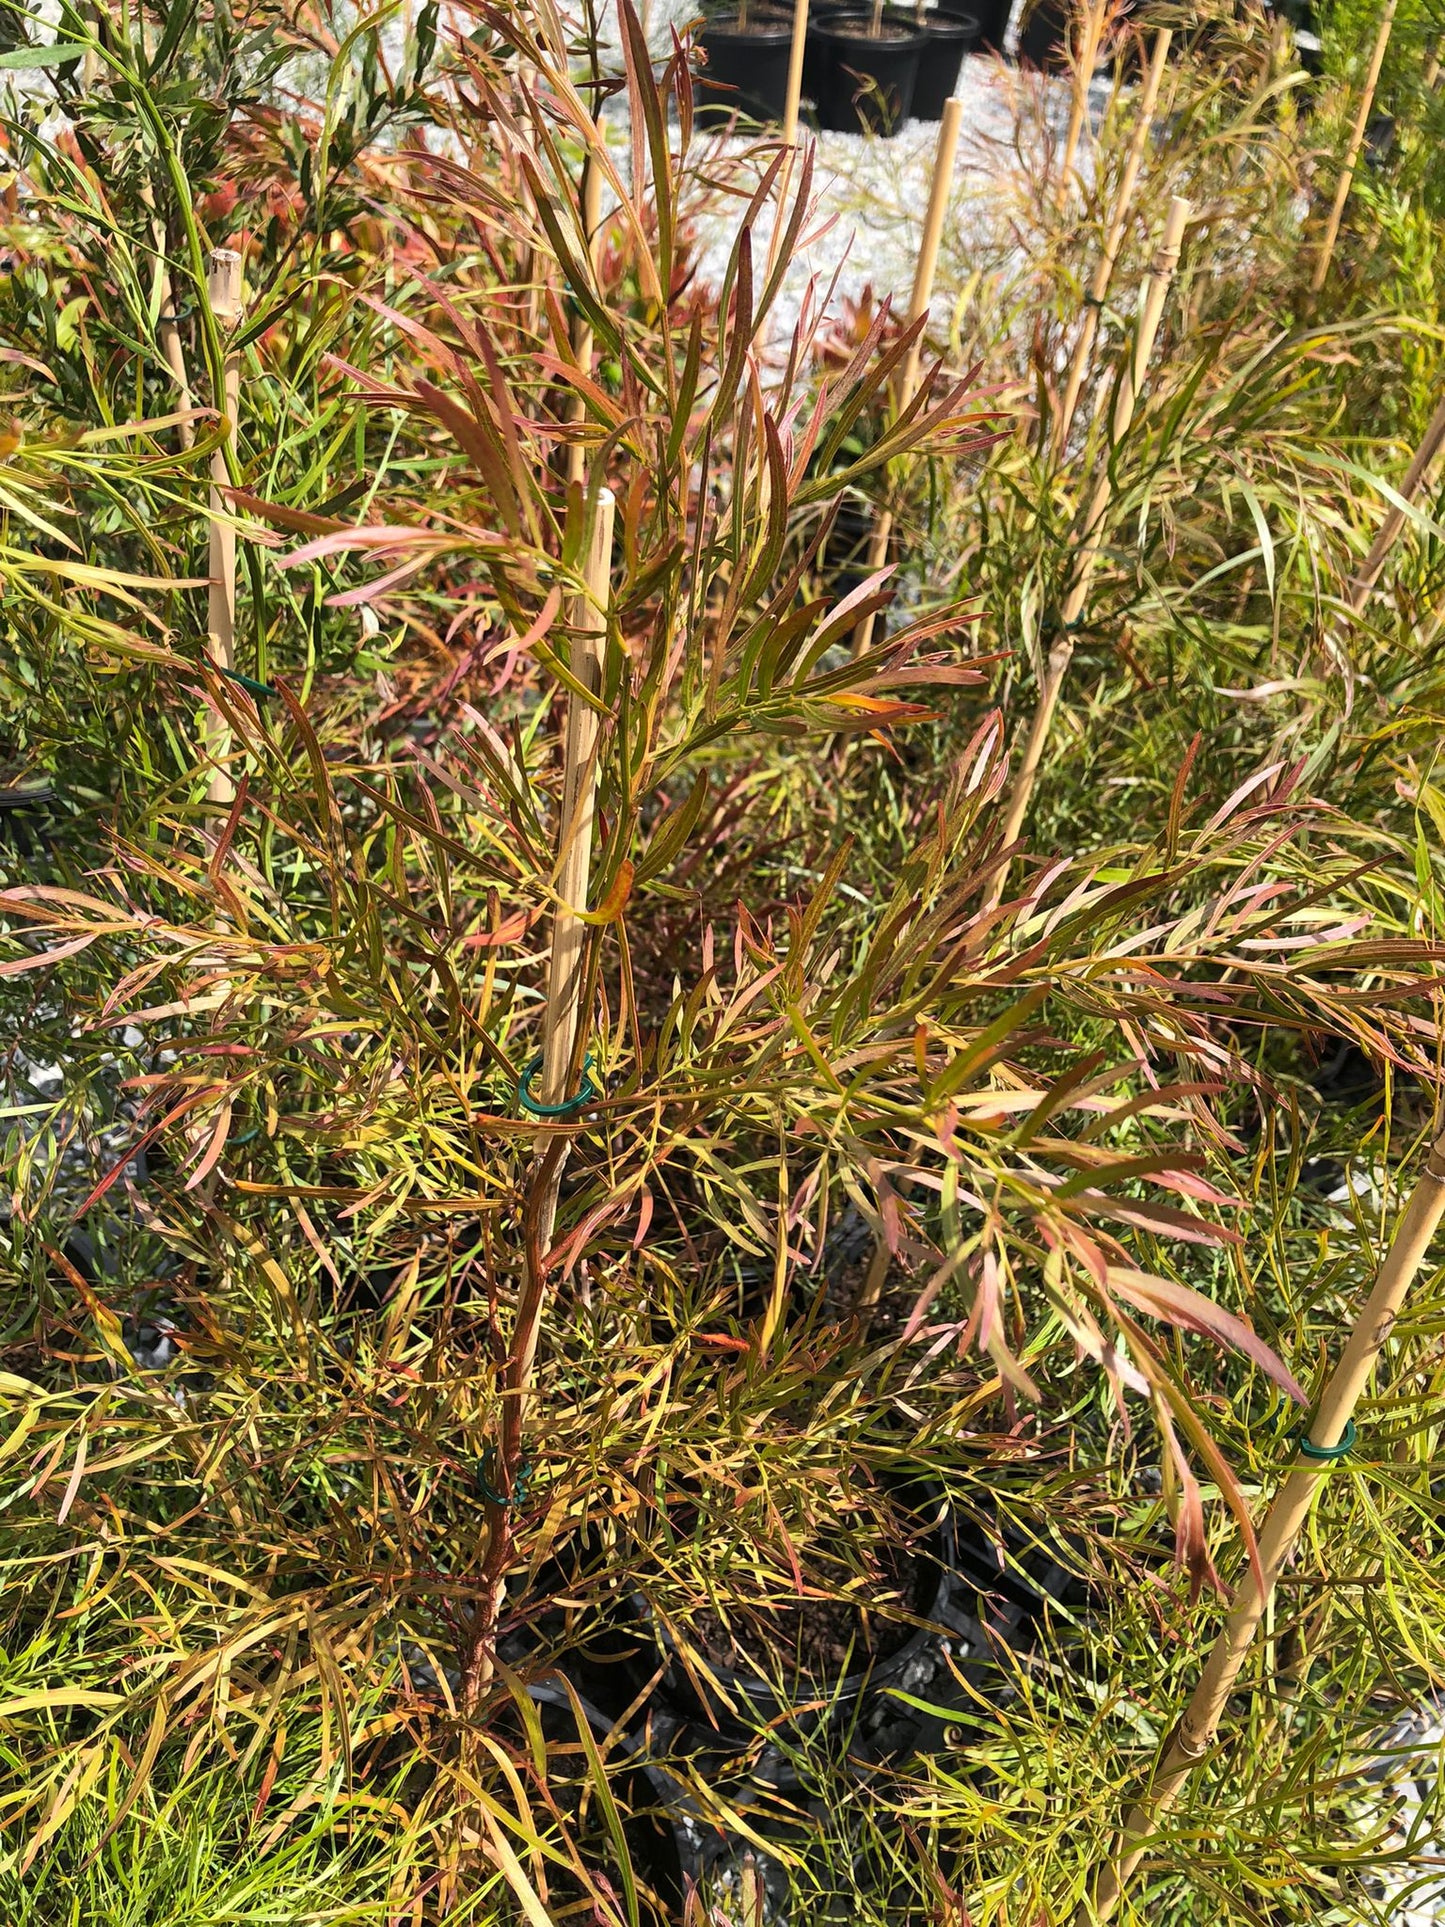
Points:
point(1409, 1773)
point(872, 195)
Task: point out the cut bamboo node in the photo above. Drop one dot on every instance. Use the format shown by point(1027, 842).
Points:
point(223, 284)
point(1435, 1163)
point(1194, 1745)
point(1172, 239)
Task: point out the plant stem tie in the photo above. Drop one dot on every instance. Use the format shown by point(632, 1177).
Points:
point(569, 1105)
point(177, 316)
point(1092, 301)
point(509, 1501)
point(262, 691)
point(1329, 1452)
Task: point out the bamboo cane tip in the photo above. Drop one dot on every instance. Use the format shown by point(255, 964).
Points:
point(223, 283)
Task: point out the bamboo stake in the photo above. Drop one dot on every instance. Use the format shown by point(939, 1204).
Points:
point(795, 74)
point(1352, 152)
point(566, 978)
point(223, 292)
point(582, 339)
point(923, 274)
point(1394, 521)
point(1114, 236)
point(90, 61)
point(170, 334)
point(175, 355)
point(1194, 1735)
point(1088, 56)
point(1151, 309)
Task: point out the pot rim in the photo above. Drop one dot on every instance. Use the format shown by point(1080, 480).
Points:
point(905, 42)
point(943, 22)
point(726, 28)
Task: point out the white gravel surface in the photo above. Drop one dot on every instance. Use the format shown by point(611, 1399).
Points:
point(872, 194)
point(1409, 1774)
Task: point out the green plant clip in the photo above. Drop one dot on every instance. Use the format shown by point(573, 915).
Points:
point(486, 1466)
point(1328, 1452)
point(568, 1105)
point(262, 691)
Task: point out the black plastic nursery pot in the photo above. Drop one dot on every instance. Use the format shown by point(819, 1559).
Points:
point(671, 1728)
point(814, 57)
point(744, 69)
point(1379, 142)
point(1044, 35)
point(843, 557)
point(24, 823)
point(815, 54)
point(951, 34)
point(1309, 48)
point(675, 1847)
point(865, 84)
point(729, 1702)
point(993, 19)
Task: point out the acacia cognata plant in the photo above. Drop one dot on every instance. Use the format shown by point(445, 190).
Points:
point(1055, 1118)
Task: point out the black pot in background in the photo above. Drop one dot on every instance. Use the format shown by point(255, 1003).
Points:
point(1006, 1582)
point(829, 13)
point(993, 19)
point(815, 58)
point(866, 85)
point(843, 558)
point(746, 69)
point(733, 1707)
point(950, 36)
point(1311, 51)
point(671, 1842)
point(1379, 142)
point(1044, 35)
point(25, 815)
point(1307, 44)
